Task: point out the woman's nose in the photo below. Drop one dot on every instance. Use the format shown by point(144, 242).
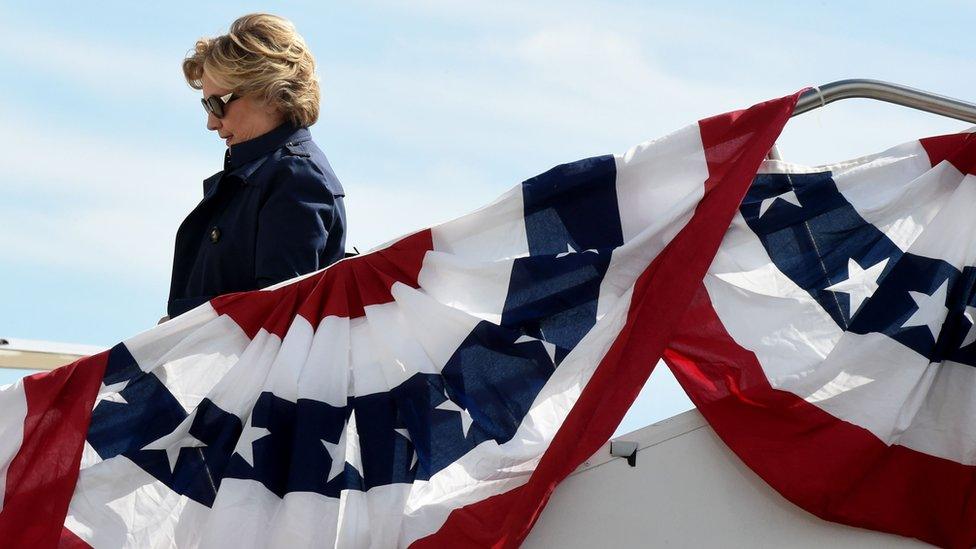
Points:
point(213, 123)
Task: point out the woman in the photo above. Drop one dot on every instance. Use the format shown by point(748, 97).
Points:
point(275, 211)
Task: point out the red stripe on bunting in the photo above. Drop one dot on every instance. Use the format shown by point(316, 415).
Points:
point(735, 144)
point(345, 289)
point(958, 148)
point(42, 476)
point(832, 468)
point(70, 540)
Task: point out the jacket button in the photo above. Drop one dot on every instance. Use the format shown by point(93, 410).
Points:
point(214, 235)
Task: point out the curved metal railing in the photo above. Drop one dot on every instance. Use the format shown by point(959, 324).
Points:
point(888, 92)
point(862, 88)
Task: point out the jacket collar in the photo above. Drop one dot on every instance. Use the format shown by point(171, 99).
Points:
point(242, 153)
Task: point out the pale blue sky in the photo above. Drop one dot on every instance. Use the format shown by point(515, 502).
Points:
point(430, 110)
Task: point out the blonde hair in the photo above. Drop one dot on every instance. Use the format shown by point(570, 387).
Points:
point(262, 56)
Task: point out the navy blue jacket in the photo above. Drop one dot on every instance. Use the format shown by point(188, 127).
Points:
point(274, 212)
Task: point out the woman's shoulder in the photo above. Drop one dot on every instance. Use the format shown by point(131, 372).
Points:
point(302, 163)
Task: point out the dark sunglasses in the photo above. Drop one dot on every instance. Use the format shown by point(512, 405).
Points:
point(215, 104)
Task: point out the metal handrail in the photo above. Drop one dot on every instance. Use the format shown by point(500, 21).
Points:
point(934, 103)
point(888, 92)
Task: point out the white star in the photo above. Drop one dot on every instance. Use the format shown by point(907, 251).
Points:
point(788, 196)
point(466, 420)
point(245, 444)
point(406, 435)
point(549, 347)
point(970, 315)
point(347, 447)
point(571, 250)
point(338, 457)
point(931, 310)
point(176, 441)
point(111, 393)
point(860, 284)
